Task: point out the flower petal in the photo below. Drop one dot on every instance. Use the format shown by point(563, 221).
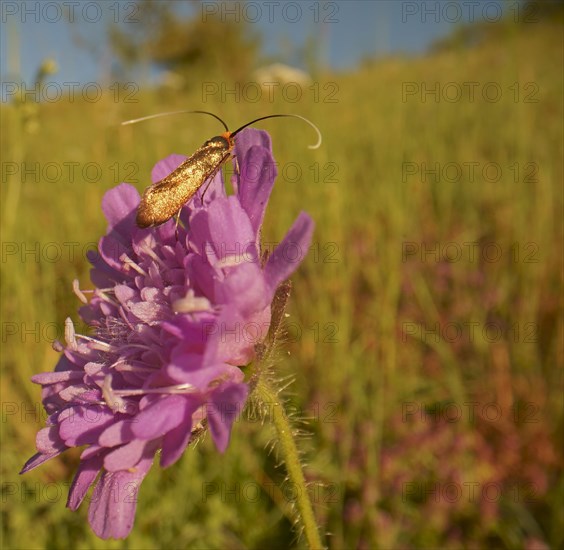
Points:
point(232, 336)
point(83, 479)
point(117, 434)
point(258, 173)
point(125, 457)
point(114, 501)
point(37, 459)
point(44, 378)
point(160, 416)
point(226, 404)
point(290, 252)
point(48, 441)
point(250, 137)
point(119, 205)
point(82, 425)
point(224, 230)
point(175, 441)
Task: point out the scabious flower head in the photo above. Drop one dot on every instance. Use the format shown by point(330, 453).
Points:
point(176, 314)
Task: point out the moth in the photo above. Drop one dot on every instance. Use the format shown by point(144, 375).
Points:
point(165, 198)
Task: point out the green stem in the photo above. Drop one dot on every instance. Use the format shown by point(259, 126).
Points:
point(267, 396)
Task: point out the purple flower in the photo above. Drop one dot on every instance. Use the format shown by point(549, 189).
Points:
point(175, 319)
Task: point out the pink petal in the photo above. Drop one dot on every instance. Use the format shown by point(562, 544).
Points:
point(288, 255)
point(54, 377)
point(175, 441)
point(117, 434)
point(159, 417)
point(118, 204)
point(83, 479)
point(114, 501)
point(227, 403)
point(125, 457)
point(83, 425)
point(258, 173)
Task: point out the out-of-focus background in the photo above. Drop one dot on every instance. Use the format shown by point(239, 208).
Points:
point(425, 329)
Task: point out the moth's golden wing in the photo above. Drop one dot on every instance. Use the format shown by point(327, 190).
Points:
point(162, 200)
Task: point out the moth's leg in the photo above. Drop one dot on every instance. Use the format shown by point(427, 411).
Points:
point(212, 175)
point(204, 192)
point(176, 223)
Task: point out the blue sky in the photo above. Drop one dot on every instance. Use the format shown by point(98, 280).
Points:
point(347, 31)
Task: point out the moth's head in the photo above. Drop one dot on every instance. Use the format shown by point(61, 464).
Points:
point(223, 141)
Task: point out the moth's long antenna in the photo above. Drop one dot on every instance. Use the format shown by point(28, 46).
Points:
point(135, 120)
point(287, 115)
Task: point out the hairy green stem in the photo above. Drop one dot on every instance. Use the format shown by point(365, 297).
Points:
point(268, 396)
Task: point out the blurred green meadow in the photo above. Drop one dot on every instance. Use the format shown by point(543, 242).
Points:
point(424, 335)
